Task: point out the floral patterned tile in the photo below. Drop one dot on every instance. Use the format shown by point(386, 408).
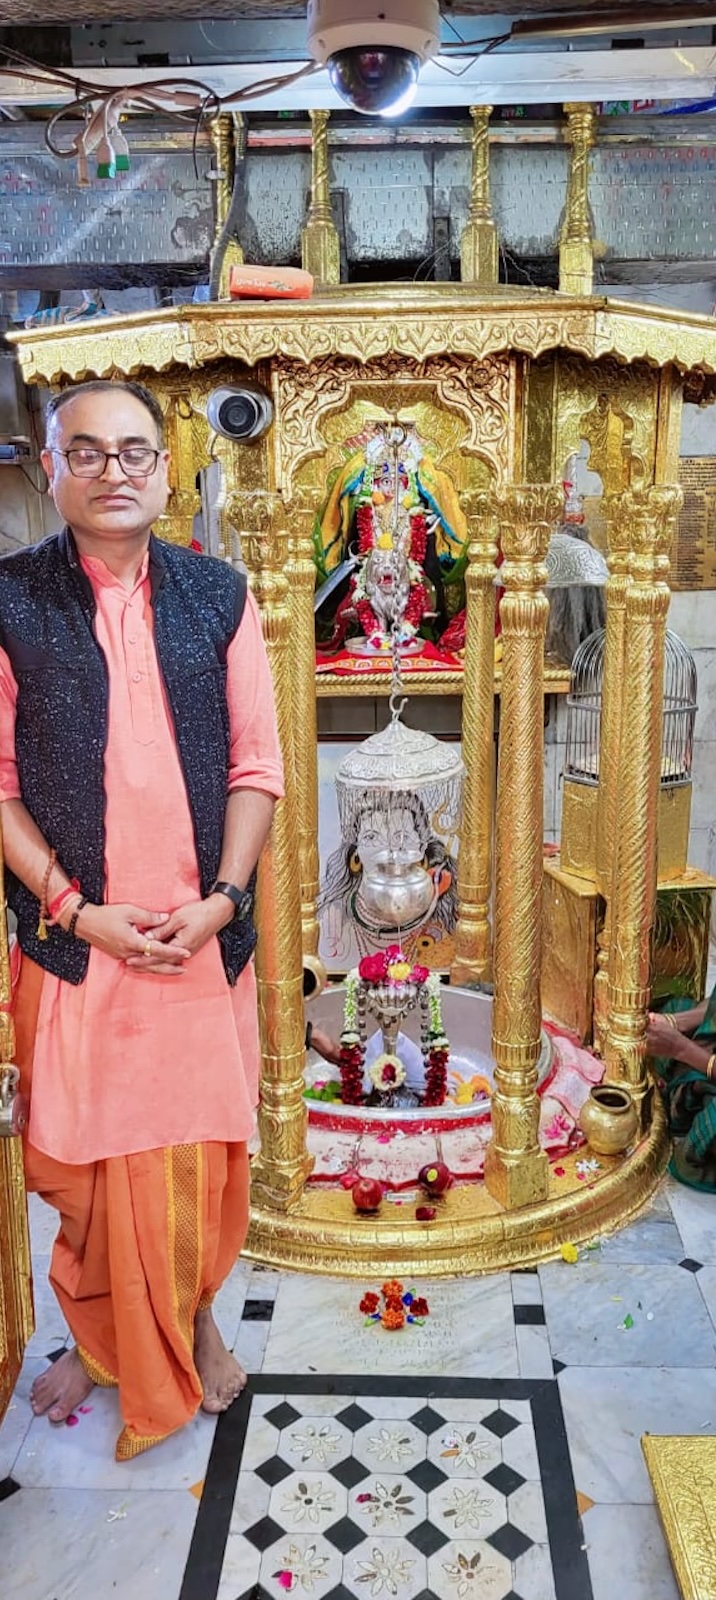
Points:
point(323, 1489)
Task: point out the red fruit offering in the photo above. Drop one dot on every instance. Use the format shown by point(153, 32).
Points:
point(367, 1194)
point(425, 1213)
point(435, 1177)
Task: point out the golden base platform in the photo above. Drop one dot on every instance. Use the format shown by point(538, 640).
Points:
point(471, 1233)
point(683, 1475)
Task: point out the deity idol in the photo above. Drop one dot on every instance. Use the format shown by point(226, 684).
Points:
point(400, 518)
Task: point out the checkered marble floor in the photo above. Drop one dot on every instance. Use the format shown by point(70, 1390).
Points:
point(447, 1490)
point(491, 1452)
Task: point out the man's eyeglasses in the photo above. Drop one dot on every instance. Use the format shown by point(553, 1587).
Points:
point(137, 461)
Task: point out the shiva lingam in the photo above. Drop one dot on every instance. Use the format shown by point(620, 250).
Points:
point(389, 986)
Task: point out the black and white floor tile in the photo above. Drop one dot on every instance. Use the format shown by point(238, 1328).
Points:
point(452, 1490)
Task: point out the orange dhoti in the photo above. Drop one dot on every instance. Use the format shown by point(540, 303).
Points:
point(145, 1241)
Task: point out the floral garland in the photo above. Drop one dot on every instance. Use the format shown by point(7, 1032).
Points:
point(438, 1051)
point(365, 527)
point(350, 1061)
point(387, 1073)
point(399, 1307)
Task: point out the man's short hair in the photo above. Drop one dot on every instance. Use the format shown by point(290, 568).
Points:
point(107, 386)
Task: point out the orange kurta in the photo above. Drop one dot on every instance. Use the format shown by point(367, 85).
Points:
point(129, 1061)
point(142, 1087)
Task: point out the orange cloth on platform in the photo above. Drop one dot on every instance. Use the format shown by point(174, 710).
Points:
point(144, 1241)
point(131, 1061)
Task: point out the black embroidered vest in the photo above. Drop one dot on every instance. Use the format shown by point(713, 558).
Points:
point(47, 628)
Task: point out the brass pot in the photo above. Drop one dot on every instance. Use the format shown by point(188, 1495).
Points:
point(315, 976)
point(608, 1119)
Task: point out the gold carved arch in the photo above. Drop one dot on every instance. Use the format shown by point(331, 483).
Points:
point(461, 408)
point(614, 408)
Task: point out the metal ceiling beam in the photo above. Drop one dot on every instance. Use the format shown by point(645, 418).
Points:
point(516, 77)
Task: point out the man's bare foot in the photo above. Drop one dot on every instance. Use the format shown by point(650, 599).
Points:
point(57, 1392)
point(222, 1379)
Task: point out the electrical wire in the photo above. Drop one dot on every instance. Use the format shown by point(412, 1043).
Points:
point(478, 47)
point(102, 108)
point(455, 30)
point(486, 46)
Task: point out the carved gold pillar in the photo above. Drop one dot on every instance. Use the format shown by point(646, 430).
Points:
point(472, 962)
point(16, 1318)
point(618, 519)
point(576, 246)
point(515, 1166)
point(320, 245)
point(280, 1170)
point(302, 582)
point(478, 246)
point(184, 502)
point(228, 138)
point(651, 514)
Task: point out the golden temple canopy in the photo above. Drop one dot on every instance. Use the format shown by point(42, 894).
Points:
point(366, 323)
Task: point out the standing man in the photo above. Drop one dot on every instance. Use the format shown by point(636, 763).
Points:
point(139, 767)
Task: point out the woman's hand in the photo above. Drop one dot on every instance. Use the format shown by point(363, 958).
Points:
point(131, 934)
point(185, 931)
point(662, 1039)
point(324, 1046)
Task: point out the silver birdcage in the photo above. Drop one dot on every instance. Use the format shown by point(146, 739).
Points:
point(581, 769)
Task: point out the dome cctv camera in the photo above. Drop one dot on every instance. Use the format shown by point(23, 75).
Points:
point(241, 414)
point(374, 49)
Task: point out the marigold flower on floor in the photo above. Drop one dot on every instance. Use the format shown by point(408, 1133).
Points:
point(393, 1319)
point(400, 1306)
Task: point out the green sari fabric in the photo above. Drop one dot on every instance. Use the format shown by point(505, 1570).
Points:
point(691, 1106)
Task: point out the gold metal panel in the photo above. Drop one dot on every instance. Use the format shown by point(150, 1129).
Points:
point(570, 919)
point(579, 829)
point(540, 418)
point(683, 1475)
point(673, 835)
point(680, 939)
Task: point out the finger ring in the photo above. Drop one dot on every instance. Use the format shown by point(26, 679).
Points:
point(147, 948)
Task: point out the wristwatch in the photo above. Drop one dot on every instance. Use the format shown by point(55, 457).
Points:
point(241, 899)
